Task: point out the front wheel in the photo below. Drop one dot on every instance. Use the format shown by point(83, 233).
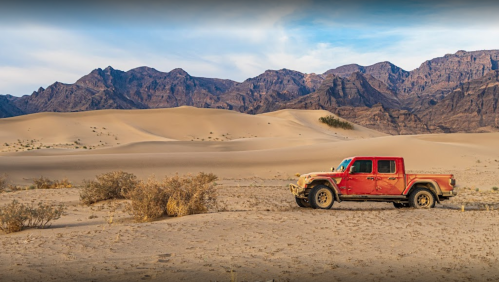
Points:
point(321, 197)
point(422, 198)
point(302, 203)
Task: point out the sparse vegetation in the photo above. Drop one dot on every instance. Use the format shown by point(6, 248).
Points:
point(174, 196)
point(16, 216)
point(45, 183)
point(191, 195)
point(334, 122)
point(495, 188)
point(111, 185)
point(149, 200)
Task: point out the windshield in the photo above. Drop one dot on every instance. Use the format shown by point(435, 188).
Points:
point(343, 165)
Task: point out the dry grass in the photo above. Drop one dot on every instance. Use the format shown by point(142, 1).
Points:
point(45, 183)
point(16, 216)
point(174, 196)
point(111, 185)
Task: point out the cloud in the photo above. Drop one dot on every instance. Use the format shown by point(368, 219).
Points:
point(237, 42)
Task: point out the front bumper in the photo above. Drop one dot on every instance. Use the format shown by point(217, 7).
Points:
point(296, 190)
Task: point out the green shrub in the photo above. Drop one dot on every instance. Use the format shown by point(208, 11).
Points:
point(495, 188)
point(111, 185)
point(334, 122)
point(15, 216)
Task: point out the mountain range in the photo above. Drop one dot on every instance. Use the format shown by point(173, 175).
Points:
point(454, 93)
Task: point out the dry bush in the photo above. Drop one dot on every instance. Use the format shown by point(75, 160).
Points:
point(190, 195)
point(15, 216)
point(45, 183)
point(111, 185)
point(174, 196)
point(149, 200)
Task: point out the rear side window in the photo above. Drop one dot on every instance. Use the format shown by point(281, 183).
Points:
point(363, 166)
point(386, 166)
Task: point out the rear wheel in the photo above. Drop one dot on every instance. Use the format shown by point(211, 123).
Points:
point(303, 203)
point(401, 205)
point(321, 197)
point(422, 198)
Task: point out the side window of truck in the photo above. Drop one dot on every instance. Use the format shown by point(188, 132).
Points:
point(386, 166)
point(363, 166)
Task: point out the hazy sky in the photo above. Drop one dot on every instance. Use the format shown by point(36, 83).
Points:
point(47, 41)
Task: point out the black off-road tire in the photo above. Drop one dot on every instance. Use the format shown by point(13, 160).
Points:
point(302, 203)
point(422, 198)
point(401, 205)
point(321, 197)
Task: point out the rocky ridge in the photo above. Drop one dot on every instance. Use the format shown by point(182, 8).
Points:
point(454, 93)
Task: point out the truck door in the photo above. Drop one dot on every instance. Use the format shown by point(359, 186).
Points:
point(362, 180)
point(389, 178)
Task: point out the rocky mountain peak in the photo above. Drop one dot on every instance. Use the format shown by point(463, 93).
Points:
point(144, 70)
point(178, 72)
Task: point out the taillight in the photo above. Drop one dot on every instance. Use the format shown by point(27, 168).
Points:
point(452, 182)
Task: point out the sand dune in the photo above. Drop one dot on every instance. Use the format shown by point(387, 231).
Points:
point(115, 127)
point(230, 144)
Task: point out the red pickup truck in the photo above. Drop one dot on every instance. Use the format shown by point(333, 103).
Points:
point(379, 179)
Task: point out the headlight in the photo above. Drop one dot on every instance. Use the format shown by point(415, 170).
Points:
point(308, 179)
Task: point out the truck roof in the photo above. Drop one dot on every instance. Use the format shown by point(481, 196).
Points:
point(379, 157)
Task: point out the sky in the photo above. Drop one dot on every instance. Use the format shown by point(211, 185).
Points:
point(42, 42)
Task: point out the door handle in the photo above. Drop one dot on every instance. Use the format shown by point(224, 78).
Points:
point(370, 178)
point(392, 178)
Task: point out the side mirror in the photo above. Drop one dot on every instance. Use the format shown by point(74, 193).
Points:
point(332, 169)
point(352, 170)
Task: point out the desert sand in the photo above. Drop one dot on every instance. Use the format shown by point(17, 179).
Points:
point(257, 233)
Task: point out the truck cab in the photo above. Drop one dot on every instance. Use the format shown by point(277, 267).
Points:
point(381, 179)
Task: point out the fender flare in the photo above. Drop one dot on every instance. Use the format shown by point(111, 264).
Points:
point(434, 187)
point(331, 185)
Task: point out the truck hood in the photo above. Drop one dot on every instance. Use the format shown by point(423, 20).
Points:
point(322, 174)
point(308, 177)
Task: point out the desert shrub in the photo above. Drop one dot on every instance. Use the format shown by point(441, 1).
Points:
point(334, 122)
point(111, 185)
point(45, 183)
point(174, 196)
point(495, 188)
point(148, 200)
point(16, 216)
point(190, 195)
